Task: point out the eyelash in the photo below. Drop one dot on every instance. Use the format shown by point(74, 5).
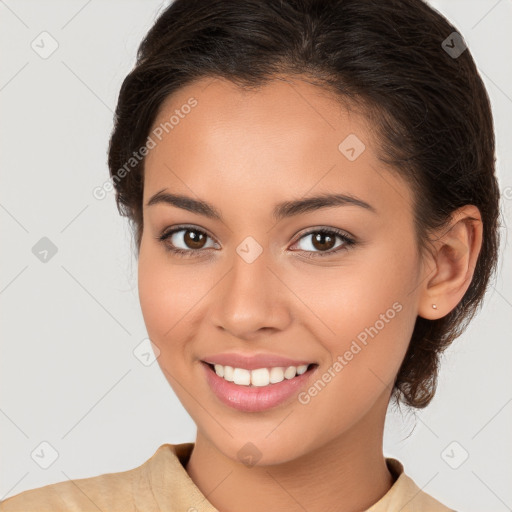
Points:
point(183, 253)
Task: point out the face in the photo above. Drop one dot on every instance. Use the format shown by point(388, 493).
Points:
point(331, 284)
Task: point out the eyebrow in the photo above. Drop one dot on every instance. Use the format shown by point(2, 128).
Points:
point(281, 210)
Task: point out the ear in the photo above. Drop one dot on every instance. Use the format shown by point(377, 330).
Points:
point(449, 268)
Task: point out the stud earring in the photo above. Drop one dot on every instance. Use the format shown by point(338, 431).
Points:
point(434, 306)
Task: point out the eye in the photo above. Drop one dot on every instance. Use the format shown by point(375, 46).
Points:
point(185, 240)
point(322, 242)
point(190, 241)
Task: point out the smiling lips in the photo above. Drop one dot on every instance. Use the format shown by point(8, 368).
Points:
point(254, 398)
point(259, 376)
point(255, 370)
point(254, 362)
point(255, 383)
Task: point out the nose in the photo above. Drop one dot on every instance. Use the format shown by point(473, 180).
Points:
point(251, 300)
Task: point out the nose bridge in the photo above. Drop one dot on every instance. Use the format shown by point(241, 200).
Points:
point(249, 280)
point(249, 297)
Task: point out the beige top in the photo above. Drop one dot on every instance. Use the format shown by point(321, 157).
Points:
point(161, 484)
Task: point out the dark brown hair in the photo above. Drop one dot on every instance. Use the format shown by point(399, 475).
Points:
point(430, 108)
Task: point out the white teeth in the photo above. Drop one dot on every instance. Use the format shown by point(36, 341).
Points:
point(276, 375)
point(302, 369)
point(290, 372)
point(259, 377)
point(241, 376)
point(228, 373)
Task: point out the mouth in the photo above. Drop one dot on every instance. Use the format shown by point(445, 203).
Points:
point(262, 395)
point(261, 377)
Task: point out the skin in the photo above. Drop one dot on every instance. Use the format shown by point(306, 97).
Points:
point(244, 152)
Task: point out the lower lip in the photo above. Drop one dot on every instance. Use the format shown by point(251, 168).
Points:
point(255, 398)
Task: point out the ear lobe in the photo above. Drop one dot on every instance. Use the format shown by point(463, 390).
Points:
point(454, 255)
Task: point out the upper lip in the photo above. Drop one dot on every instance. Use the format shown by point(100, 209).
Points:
point(253, 362)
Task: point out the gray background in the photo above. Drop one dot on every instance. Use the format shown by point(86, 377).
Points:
point(70, 325)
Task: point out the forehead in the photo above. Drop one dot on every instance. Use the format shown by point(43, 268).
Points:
point(282, 140)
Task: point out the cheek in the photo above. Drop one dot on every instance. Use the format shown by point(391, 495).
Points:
point(170, 296)
point(365, 312)
point(372, 318)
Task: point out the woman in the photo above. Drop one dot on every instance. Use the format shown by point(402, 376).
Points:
point(312, 191)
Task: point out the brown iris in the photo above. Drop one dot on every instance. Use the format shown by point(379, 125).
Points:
point(194, 239)
point(323, 241)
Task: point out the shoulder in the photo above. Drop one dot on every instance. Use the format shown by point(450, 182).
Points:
point(418, 500)
point(107, 492)
point(84, 494)
point(406, 496)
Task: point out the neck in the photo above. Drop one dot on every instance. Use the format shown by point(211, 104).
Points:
point(347, 474)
